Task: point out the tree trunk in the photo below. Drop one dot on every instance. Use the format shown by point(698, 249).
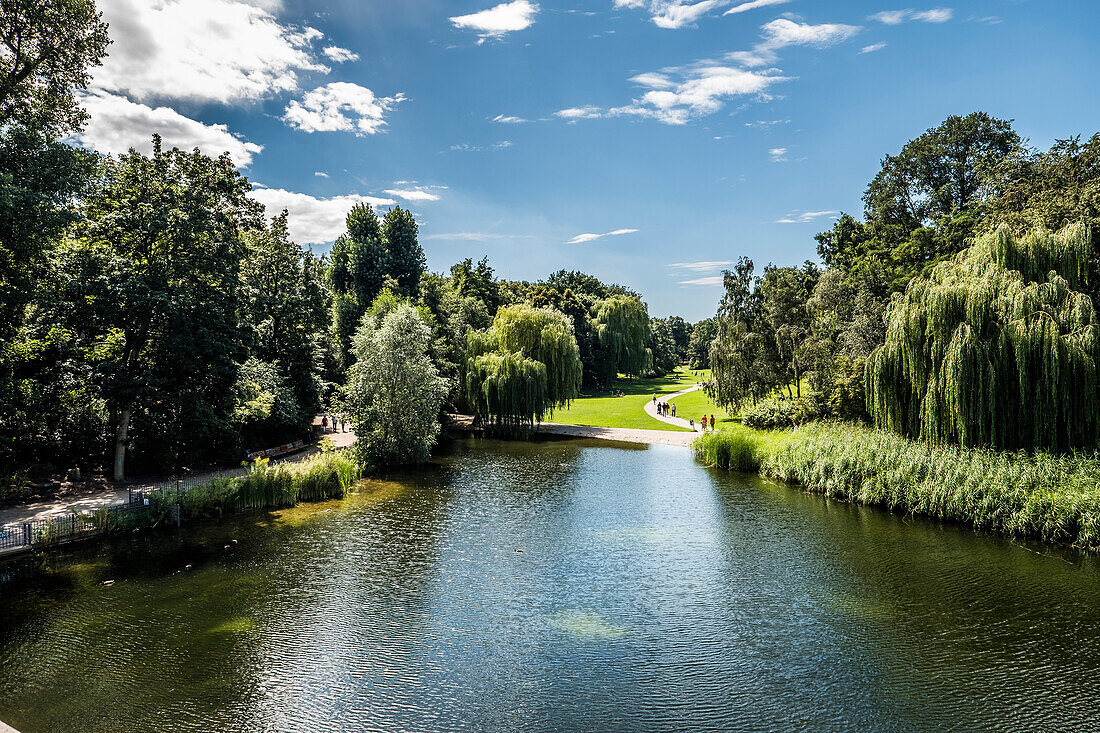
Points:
point(121, 438)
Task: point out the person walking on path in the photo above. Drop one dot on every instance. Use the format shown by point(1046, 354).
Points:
point(712, 422)
point(324, 424)
point(674, 409)
point(704, 423)
point(692, 424)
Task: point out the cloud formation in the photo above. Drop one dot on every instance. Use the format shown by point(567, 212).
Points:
point(340, 106)
point(202, 51)
point(412, 194)
point(499, 20)
point(677, 95)
point(681, 13)
point(804, 217)
point(753, 5)
point(117, 124)
point(582, 238)
point(872, 48)
point(897, 17)
point(701, 266)
point(508, 120)
point(709, 281)
point(313, 220)
point(340, 55)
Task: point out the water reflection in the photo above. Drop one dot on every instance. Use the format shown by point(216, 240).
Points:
point(552, 587)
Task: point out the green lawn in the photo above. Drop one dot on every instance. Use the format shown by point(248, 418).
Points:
point(692, 406)
point(603, 410)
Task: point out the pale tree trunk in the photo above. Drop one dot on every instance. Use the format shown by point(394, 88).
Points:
point(121, 438)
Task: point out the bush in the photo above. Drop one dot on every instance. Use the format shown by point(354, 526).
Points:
point(775, 414)
point(733, 450)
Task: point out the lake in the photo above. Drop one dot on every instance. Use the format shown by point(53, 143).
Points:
point(558, 586)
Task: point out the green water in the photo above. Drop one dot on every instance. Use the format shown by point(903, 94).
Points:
point(649, 594)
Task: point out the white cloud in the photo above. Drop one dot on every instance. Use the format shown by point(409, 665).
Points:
point(320, 174)
point(508, 119)
point(804, 217)
point(340, 55)
point(678, 15)
point(872, 48)
point(313, 220)
point(117, 124)
point(897, 17)
point(753, 5)
point(702, 266)
point(202, 50)
point(340, 106)
point(468, 148)
point(412, 194)
point(779, 155)
point(579, 113)
point(708, 281)
point(500, 19)
point(582, 238)
point(768, 123)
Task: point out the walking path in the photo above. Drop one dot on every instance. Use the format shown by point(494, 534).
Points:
point(651, 409)
point(48, 508)
point(625, 435)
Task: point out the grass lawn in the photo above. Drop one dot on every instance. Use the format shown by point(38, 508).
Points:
point(692, 405)
point(603, 410)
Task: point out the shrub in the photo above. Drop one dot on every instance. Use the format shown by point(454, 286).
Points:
point(774, 414)
point(733, 450)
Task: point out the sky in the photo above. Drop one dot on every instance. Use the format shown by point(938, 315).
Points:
point(648, 142)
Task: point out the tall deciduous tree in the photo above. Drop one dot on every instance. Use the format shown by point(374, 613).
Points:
point(157, 296)
point(394, 392)
point(622, 327)
point(46, 50)
point(522, 368)
point(405, 255)
point(997, 348)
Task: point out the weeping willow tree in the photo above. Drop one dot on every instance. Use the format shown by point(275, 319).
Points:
point(996, 348)
point(622, 328)
point(521, 368)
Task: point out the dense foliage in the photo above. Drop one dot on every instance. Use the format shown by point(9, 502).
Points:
point(522, 368)
point(996, 348)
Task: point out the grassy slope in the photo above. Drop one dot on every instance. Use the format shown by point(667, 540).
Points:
point(629, 411)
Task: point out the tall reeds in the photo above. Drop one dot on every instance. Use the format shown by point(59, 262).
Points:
point(1055, 498)
point(318, 478)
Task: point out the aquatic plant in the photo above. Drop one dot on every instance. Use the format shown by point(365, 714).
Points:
point(996, 348)
point(1041, 495)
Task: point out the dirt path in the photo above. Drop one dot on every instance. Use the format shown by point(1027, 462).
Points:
point(47, 508)
point(651, 410)
point(625, 435)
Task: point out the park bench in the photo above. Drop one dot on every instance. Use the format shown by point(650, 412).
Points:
point(279, 450)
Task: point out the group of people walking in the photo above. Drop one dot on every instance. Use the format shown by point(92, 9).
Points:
point(667, 409)
point(702, 423)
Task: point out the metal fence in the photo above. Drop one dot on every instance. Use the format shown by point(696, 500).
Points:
point(77, 525)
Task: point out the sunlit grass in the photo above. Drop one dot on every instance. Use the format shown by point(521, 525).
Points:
point(604, 410)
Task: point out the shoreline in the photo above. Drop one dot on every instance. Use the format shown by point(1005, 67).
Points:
point(464, 424)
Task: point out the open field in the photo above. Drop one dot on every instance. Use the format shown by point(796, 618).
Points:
point(604, 410)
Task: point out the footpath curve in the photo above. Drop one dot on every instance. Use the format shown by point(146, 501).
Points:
point(651, 409)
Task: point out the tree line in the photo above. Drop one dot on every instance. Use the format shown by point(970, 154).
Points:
point(153, 316)
point(958, 309)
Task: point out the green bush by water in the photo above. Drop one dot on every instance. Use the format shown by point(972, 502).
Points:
point(1055, 498)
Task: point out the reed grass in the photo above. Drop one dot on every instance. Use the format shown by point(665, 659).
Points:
point(325, 476)
point(1054, 498)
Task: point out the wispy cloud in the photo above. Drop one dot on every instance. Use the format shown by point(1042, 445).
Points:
point(753, 5)
point(412, 194)
point(320, 174)
point(508, 120)
point(768, 123)
point(499, 20)
point(778, 155)
point(340, 55)
point(702, 265)
point(468, 148)
point(872, 48)
point(709, 281)
point(804, 217)
point(897, 17)
point(582, 238)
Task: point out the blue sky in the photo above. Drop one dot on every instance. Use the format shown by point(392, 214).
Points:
point(684, 133)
